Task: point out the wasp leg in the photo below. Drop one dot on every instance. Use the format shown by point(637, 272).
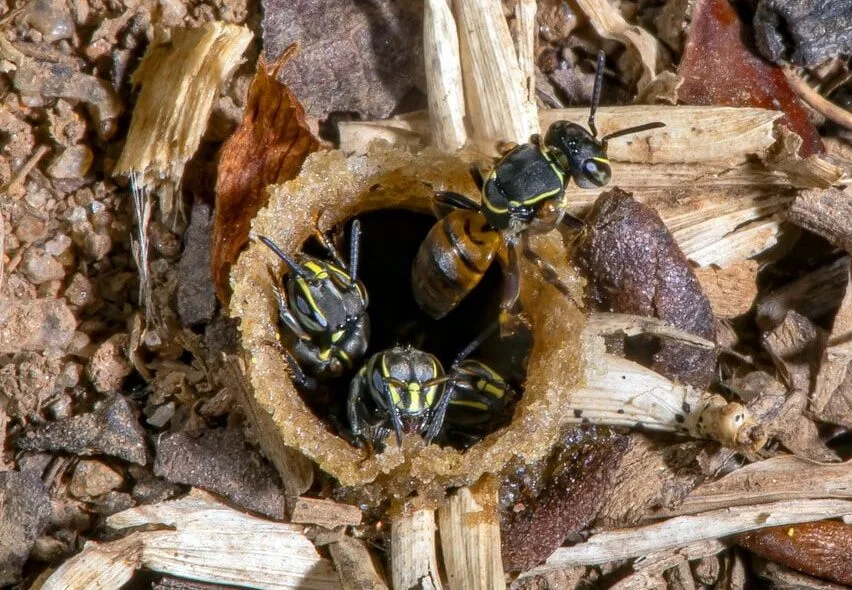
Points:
point(324, 241)
point(298, 374)
point(444, 202)
point(511, 320)
point(439, 412)
point(286, 317)
point(547, 271)
point(476, 174)
point(355, 408)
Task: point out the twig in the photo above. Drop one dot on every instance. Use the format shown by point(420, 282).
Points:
point(142, 206)
point(817, 102)
point(22, 174)
point(685, 530)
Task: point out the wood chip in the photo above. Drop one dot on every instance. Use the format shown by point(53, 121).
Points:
point(180, 77)
point(443, 76)
point(832, 394)
point(826, 212)
point(685, 530)
point(609, 23)
point(773, 480)
point(731, 290)
point(355, 565)
point(198, 537)
point(325, 513)
point(495, 86)
point(470, 540)
point(414, 563)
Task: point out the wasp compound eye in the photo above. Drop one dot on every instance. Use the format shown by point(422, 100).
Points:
point(596, 171)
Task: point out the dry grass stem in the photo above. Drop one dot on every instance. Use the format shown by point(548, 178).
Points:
point(470, 540)
point(325, 513)
point(773, 480)
point(143, 207)
point(647, 571)
point(494, 86)
point(609, 23)
point(685, 530)
point(199, 538)
point(443, 76)
point(414, 563)
point(821, 105)
point(353, 562)
point(180, 80)
point(633, 325)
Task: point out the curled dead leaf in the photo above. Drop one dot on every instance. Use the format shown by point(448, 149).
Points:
point(268, 147)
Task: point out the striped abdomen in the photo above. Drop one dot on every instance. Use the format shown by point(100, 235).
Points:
point(452, 260)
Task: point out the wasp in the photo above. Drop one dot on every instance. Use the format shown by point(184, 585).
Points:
point(322, 308)
point(523, 194)
point(402, 389)
point(478, 401)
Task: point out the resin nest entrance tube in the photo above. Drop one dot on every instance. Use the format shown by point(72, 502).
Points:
point(342, 188)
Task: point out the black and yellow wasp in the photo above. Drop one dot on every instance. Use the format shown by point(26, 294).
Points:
point(523, 194)
point(322, 308)
point(404, 389)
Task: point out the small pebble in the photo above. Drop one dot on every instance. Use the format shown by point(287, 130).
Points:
point(76, 215)
point(36, 197)
point(95, 245)
point(29, 228)
point(161, 416)
point(73, 162)
point(51, 18)
point(80, 291)
point(39, 266)
point(93, 478)
point(57, 245)
point(109, 365)
point(63, 407)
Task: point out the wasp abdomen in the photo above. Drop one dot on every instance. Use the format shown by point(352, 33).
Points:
point(452, 260)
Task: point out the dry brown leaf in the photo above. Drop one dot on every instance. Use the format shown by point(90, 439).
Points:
point(825, 212)
point(268, 147)
point(719, 67)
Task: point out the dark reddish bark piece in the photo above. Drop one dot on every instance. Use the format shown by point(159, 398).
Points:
point(583, 471)
point(822, 548)
point(720, 67)
point(637, 268)
point(269, 146)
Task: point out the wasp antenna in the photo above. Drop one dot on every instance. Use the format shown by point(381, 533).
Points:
point(631, 130)
point(291, 264)
point(476, 343)
point(596, 91)
point(354, 249)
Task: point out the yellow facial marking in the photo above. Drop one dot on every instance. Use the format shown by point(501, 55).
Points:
point(337, 335)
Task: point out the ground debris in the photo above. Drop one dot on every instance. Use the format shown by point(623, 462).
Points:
point(110, 364)
point(222, 462)
point(821, 548)
point(325, 513)
point(805, 32)
point(826, 212)
point(111, 429)
point(832, 393)
point(196, 297)
point(269, 147)
point(35, 325)
point(584, 469)
point(718, 67)
point(637, 268)
point(353, 57)
point(24, 515)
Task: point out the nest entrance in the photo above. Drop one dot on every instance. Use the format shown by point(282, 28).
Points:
point(391, 179)
point(389, 242)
